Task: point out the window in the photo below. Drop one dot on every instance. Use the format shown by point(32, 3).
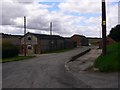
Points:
point(29, 37)
point(29, 46)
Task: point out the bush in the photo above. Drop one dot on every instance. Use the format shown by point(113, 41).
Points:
point(115, 33)
point(9, 50)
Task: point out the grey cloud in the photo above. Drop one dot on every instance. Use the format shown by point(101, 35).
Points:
point(10, 12)
point(39, 23)
point(37, 20)
point(24, 1)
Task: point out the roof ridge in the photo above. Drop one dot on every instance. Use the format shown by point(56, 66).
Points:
point(42, 34)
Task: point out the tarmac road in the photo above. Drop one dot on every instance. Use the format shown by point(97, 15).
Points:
point(44, 71)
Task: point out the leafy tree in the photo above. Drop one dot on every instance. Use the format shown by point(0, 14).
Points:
point(115, 33)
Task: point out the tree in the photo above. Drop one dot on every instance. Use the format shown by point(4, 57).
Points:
point(115, 33)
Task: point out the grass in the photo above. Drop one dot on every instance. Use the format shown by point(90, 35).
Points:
point(109, 62)
point(17, 58)
point(58, 51)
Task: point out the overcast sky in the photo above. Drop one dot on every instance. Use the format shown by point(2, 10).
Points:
point(68, 16)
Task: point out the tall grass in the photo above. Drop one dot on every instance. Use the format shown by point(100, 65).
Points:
point(9, 50)
point(111, 61)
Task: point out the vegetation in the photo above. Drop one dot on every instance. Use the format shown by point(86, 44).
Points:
point(9, 50)
point(17, 58)
point(115, 33)
point(109, 62)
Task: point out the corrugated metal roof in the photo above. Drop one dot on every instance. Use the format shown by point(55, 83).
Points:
point(8, 35)
point(44, 36)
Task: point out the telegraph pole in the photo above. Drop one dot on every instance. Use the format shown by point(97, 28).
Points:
point(50, 28)
point(51, 42)
point(104, 49)
point(24, 36)
point(119, 12)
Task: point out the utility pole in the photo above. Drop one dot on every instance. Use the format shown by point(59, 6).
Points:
point(24, 36)
point(119, 12)
point(50, 28)
point(104, 49)
point(51, 41)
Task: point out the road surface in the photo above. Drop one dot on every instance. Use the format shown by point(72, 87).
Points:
point(44, 71)
point(82, 68)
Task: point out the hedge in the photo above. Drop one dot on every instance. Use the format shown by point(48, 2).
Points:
point(9, 50)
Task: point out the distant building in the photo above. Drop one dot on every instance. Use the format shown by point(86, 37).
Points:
point(94, 40)
point(109, 41)
point(80, 40)
point(40, 43)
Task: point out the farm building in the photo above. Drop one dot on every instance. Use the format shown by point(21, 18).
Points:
point(80, 40)
point(109, 41)
point(40, 43)
point(34, 43)
point(69, 43)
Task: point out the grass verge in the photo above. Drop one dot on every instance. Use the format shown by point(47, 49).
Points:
point(109, 62)
point(18, 58)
